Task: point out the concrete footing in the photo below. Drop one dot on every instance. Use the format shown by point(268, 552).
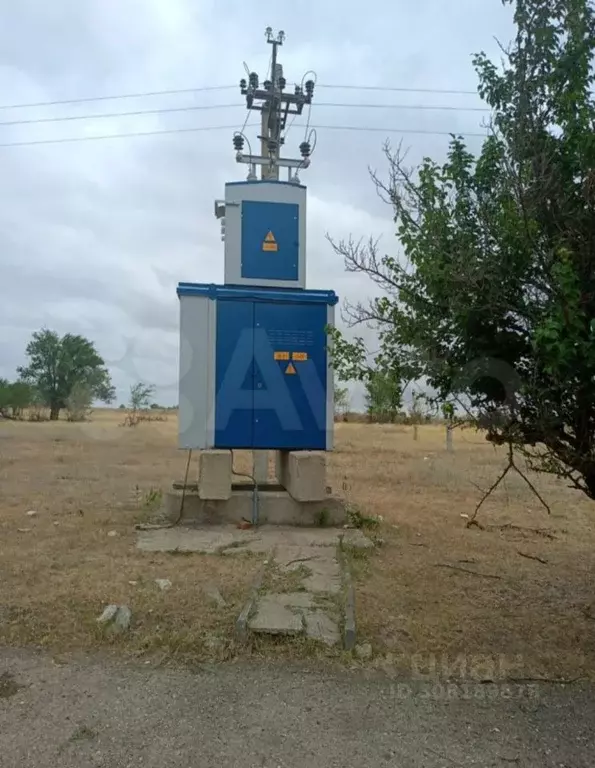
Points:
point(300, 497)
point(214, 475)
point(275, 507)
point(302, 474)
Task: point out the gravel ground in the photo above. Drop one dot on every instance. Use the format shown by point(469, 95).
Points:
point(99, 712)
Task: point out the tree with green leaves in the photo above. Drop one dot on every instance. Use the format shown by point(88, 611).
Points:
point(56, 365)
point(141, 395)
point(383, 397)
point(15, 397)
point(341, 400)
point(78, 402)
point(492, 300)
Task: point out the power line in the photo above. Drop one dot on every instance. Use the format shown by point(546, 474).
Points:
point(351, 128)
point(397, 89)
point(170, 92)
point(194, 108)
point(178, 91)
point(103, 115)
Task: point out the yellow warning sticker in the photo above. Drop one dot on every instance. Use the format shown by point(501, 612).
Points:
point(290, 369)
point(281, 355)
point(269, 243)
point(299, 356)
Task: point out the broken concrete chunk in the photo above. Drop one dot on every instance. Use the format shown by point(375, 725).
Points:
point(108, 614)
point(163, 584)
point(319, 626)
point(211, 591)
point(274, 618)
point(115, 618)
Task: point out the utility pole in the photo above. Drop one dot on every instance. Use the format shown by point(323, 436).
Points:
point(275, 105)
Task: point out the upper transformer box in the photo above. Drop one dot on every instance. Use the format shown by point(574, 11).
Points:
point(265, 233)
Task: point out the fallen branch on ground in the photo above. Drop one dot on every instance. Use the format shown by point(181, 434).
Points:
point(467, 570)
point(511, 527)
point(496, 483)
point(533, 557)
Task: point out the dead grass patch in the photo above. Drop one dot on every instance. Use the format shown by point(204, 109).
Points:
point(87, 479)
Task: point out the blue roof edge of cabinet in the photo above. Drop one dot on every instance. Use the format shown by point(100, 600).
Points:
point(257, 293)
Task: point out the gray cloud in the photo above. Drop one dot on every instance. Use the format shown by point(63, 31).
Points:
point(94, 236)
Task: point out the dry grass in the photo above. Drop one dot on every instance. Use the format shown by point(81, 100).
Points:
point(85, 481)
point(96, 477)
point(540, 617)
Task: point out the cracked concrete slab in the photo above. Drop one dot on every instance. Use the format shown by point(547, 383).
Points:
point(324, 571)
point(274, 617)
point(320, 626)
point(230, 540)
point(314, 610)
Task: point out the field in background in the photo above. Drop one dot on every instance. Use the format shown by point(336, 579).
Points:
point(521, 587)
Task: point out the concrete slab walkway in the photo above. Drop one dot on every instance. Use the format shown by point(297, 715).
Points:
point(303, 595)
point(302, 591)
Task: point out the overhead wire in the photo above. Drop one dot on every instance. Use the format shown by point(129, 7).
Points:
point(201, 89)
point(398, 89)
point(161, 132)
point(138, 95)
point(200, 107)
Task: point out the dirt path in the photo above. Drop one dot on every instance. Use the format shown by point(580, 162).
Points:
point(96, 712)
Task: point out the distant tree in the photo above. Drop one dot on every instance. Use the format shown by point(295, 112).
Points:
point(341, 400)
point(15, 397)
point(57, 364)
point(383, 397)
point(141, 395)
point(79, 402)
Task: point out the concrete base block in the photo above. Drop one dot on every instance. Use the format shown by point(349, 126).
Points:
point(276, 507)
point(214, 475)
point(302, 474)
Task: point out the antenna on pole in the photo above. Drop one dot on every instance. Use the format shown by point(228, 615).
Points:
point(275, 104)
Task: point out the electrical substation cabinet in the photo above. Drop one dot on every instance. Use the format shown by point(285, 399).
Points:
point(254, 367)
point(265, 234)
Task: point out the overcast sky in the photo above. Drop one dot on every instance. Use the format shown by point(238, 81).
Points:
point(95, 235)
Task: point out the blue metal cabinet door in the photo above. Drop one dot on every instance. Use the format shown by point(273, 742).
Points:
point(290, 369)
point(234, 374)
point(270, 240)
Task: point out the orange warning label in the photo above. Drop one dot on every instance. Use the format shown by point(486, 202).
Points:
point(290, 369)
point(301, 356)
point(269, 243)
point(281, 355)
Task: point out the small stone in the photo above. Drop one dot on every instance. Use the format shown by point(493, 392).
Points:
point(214, 595)
point(133, 583)
point(363, 651)
point(123, 618)
point(108, 614)
point(112, 533)
point(163, 584)
point(23, 530)
point(116, 618)
point(56, 522)
point(31, 512)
